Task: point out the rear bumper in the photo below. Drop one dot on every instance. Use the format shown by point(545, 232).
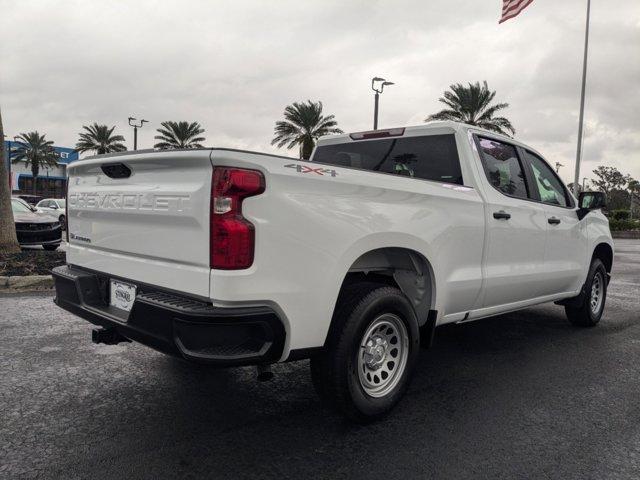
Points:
point(175, 324)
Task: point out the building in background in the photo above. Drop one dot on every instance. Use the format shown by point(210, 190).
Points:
point(52, 181)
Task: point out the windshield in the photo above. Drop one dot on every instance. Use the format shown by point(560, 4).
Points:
point(18, 207)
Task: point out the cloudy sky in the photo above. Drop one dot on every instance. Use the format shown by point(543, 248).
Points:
point(234, 65)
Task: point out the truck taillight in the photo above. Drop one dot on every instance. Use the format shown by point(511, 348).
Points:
point(232, 236)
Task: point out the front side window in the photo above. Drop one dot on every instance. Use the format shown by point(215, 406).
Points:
point(503, 169)
point(547, 183)
point(432, 157)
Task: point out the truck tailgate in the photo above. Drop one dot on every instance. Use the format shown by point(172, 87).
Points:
point(151, 226)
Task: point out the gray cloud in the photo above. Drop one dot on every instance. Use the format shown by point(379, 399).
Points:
point(233, 66)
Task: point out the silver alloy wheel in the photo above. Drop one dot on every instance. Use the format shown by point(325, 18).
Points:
point(597, 293)
point(383, 354)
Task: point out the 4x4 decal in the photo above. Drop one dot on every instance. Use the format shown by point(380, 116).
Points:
point(305, 169)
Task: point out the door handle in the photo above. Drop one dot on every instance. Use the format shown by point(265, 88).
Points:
point(554, 221)
point(501, 215)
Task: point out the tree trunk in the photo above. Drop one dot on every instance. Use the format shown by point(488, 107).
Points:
point(35, 170)
point(307, 148)
point(8, 239)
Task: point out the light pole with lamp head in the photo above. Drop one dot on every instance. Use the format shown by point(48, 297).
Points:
point(381, 83)
point(135, 130)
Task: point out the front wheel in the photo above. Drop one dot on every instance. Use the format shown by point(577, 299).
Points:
point(589, 312)
point(370, 353)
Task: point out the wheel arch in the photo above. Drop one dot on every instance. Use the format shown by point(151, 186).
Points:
point(405, 268)
point(604, 252)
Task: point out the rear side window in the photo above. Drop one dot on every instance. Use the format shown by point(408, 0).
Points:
point(503, 168)
point(547, 183)
point(433, 157)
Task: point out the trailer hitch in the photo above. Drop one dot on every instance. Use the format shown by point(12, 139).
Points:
point(108, 336)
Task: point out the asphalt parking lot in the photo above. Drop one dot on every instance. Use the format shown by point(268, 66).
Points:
point(523, 395)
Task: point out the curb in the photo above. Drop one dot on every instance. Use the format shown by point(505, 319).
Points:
point(26, 283)
point(634, 234)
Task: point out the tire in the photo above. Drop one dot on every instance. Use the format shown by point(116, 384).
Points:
point(588, 313)
point(51, 248)
point(364, 385)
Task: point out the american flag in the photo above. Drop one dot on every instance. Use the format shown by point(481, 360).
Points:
point(511, 8)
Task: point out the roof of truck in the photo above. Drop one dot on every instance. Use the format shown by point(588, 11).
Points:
point(413, 130)
point(432, 128)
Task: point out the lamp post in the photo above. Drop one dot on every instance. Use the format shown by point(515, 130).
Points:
point(377, 83)
point(135, 130)
point(576, 178)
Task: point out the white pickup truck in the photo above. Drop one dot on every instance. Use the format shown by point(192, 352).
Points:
point(351, 259)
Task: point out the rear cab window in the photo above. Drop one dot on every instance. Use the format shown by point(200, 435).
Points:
point(429, 157)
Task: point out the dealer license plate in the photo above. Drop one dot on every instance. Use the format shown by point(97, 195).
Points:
point(122, 295)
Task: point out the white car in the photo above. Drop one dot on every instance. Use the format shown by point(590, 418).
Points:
point(227, 257)
point(54, 207)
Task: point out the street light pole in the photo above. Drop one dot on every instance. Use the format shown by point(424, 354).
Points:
point(584, 81)
point(377, 85)
point(135, 130)
point(375, 110)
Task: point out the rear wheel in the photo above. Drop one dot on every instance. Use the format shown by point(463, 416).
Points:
point(589, 312)
point(370, 353)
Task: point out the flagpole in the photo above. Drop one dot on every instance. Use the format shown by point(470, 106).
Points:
point(576, 178)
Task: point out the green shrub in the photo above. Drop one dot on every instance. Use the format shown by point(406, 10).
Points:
point(620, 214)
point(618, 225)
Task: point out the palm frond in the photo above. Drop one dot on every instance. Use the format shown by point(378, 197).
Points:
point(472, 104)
point(100, 139)
point(181, 134)
point(303, 124)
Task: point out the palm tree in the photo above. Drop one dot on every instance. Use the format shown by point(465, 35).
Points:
point(100, 139)
point(8, 239)
point(36, 151)
point(179, 135)
point(472, 105)
point(302, 126)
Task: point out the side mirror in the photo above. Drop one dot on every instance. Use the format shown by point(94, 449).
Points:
point(588, 201)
